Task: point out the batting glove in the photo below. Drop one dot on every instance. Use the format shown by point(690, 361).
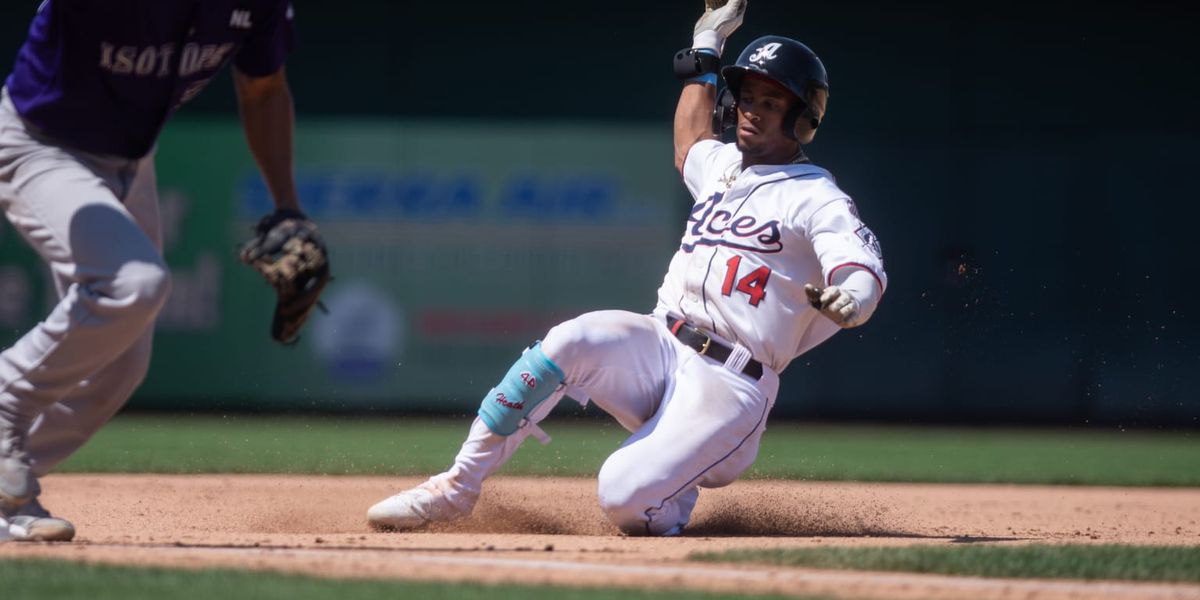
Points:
point(835, 303)
point(717, 24)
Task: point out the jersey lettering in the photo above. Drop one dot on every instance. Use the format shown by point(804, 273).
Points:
point(156, 61)
point(240, 19)
point(748, 249)
point(721, 228)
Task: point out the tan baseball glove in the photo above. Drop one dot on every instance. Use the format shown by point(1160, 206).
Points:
point(287, 250)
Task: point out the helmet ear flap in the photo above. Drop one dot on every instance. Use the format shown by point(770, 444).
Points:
point(724, 112)
point(814, 120)
point(793, 115)
point(802, 110)
point(814, 105)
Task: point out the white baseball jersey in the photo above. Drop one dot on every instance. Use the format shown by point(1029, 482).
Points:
point(754, 238)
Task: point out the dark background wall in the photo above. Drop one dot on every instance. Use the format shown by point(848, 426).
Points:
point(1030, 168)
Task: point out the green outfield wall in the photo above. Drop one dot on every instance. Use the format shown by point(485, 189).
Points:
point(453, 246)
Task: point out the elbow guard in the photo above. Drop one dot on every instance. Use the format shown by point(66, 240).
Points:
point(697, 64)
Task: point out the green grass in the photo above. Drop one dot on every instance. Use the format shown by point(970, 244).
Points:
point(977, 455)
point(1133, 563)
point(243, 444)
point(48, 579)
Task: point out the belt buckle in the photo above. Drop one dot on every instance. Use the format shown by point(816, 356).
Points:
point(680, 324)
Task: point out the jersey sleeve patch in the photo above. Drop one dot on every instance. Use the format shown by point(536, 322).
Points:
point(869, 241)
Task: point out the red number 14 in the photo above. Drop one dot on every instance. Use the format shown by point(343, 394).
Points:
point(754, 284)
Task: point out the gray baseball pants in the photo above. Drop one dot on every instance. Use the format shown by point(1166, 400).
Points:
point(94, 220)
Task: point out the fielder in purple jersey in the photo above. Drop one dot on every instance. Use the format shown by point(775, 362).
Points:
point(91, 89)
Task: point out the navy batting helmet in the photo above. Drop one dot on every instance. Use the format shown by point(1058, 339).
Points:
point(784, 61)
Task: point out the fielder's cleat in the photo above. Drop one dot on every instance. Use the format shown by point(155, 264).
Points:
point(413, 508)
point(33, 523)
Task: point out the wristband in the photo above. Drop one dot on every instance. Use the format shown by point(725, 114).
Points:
point(693, 63)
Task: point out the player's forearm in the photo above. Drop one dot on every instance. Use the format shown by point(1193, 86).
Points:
point(268, 120)
point(693, 119)
point(699, 66)
point(863, 286)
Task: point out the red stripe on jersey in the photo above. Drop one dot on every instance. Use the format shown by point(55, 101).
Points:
point(829, 280)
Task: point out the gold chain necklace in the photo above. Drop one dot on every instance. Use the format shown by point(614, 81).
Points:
point(731, 174)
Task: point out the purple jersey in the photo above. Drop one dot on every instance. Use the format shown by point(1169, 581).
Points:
point(104, 76)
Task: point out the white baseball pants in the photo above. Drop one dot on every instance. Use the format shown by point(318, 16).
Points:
point(94, 221)
point(695, 422)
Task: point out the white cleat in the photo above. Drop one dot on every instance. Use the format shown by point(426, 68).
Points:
point(413, 508)
point(32, 523)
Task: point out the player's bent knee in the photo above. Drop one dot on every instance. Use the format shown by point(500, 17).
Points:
point(627, 494)
point(588, 338)
point(134, 295)
point(142, 286)
point(632, 514)
point(562, 339)
point(623, 500)
point(135, 363)
point(636, 517)
point(622, 510)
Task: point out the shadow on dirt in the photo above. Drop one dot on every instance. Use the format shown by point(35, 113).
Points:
point(775, 509)
point(785, 511)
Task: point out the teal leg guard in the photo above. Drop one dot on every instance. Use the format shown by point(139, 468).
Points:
point(531, 380)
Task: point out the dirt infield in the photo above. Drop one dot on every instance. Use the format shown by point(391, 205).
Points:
point(541, 531)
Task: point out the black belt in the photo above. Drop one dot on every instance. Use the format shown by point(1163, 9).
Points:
point(700, 342)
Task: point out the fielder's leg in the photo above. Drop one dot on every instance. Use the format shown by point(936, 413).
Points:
point(68, 424)
point(70, 212)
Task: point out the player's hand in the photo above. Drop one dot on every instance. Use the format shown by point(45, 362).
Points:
point(287, 250)
point(835, 303)
point(717, 24)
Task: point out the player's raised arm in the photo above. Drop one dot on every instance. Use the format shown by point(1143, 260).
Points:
point(698, 67)
point(693, 118)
